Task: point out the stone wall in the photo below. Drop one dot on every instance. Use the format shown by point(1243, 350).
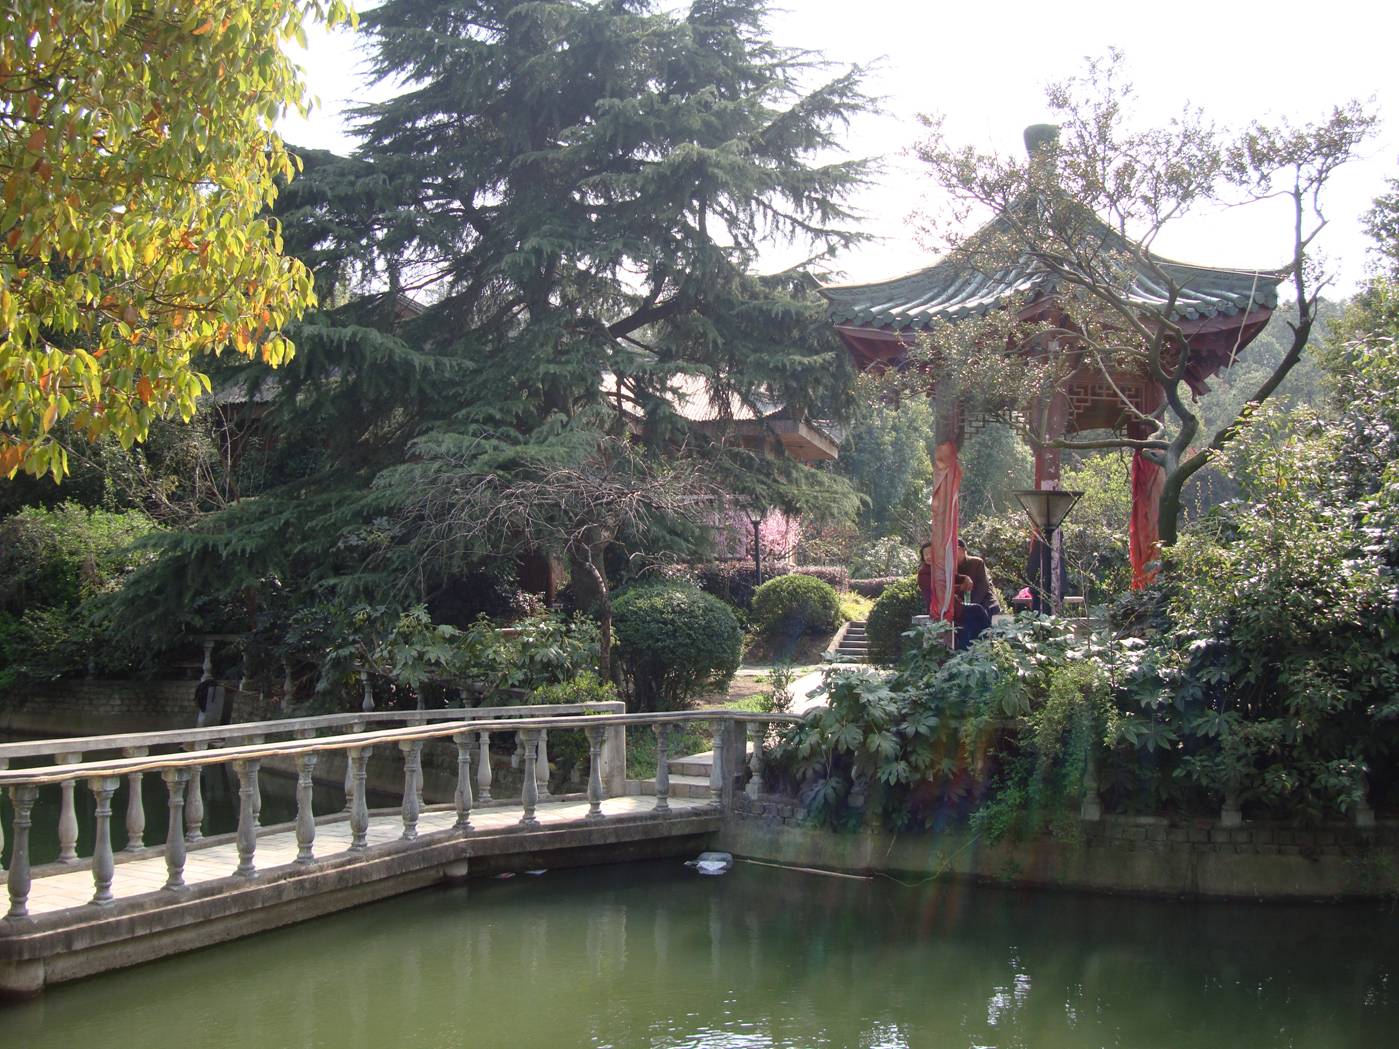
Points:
point(93, 707)
point(1135, 855)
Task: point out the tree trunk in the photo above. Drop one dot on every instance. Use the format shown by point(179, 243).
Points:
point(595, 598)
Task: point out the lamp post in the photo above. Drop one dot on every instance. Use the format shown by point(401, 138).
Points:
point(1046, 508)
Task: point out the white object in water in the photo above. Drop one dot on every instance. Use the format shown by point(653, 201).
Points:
point(712, 863)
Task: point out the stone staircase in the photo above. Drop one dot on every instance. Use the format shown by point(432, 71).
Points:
point(689, 776)
point(853, 647)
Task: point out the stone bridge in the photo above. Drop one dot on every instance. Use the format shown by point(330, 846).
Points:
point(87, 914)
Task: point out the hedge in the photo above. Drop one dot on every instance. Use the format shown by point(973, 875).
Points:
point(792, 605)
point(735, 581)
point(874, 586)
point(673, 642)
point(891, 617)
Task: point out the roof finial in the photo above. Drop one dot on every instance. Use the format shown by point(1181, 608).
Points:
point(1041, 137)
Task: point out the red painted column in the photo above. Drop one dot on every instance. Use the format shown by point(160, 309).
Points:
point(1144, 528)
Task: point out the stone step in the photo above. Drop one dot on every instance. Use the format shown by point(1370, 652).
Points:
point(680, 786)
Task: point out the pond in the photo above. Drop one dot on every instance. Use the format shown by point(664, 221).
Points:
point(654, 955)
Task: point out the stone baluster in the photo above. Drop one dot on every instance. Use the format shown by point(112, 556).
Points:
point(68, 813)
point(207, 674)
point(757, 734)
point(288, 683)
point(135, 804)
point(4, 764)
point(305, 808)
point(1091, 810)
point(529, 792)
point(541, 767)
point(17, 879)
point(103, 863)
point(716, 770)
point(463, 795)
point(257, 781)
point(359, 809)
point(483, 768)
point(662, 767)
point(412, 774)
point(357, 727)
point(176, 784)
point(194, 798)
point(368, 704)
point(595, 794)
point(247, 817)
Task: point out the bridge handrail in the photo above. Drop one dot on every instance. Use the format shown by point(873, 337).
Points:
point(182, 773)
point(242, 730)
point(50, 774)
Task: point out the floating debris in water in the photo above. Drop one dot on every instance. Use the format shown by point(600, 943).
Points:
point(712, 863)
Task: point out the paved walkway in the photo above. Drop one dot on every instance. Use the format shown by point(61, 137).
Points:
point(146, 873)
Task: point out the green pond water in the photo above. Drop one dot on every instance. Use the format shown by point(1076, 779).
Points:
point(655, 955)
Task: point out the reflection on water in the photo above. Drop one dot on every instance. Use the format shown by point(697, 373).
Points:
point(652, 955)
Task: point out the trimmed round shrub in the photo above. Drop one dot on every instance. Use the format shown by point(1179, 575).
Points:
point(792, 605)
point(673, 642)
point(891, 617)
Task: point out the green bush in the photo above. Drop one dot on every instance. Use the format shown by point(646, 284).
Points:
point(792, 605)
point(586, 687)
point(673, 642)
point(890, 618)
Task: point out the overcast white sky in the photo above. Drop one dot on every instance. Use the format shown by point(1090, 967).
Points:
point(984, 66)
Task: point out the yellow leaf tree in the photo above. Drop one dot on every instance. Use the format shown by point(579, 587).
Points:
point(137, 161)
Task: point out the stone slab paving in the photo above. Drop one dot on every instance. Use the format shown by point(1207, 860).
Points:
point(73, 887)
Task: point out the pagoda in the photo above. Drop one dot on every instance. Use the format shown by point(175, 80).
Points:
point(1215, 312)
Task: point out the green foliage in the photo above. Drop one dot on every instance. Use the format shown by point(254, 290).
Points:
point(673, 642)
point(140, 157)
point(575, 194)
point(1096, 530)
point(887, 454)
point(53, 564)
point(890, 619)
point(792, 605)
point(586, 687)
point(883, 557)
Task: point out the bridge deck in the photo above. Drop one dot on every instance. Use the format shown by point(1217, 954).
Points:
point(60, 889)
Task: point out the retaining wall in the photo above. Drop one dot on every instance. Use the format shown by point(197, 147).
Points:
point(1118, 854)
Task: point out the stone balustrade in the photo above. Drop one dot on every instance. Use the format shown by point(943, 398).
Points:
point(80, 749)
point(181, 771)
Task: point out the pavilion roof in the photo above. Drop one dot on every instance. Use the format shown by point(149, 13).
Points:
point(956, 287)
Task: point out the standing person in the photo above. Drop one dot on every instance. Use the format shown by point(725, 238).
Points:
point(983, 590)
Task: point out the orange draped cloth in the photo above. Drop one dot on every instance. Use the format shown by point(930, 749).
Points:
point(947, 483)
point(1144, 534)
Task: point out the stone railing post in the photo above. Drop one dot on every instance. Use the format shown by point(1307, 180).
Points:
point(1230, 813)
point(412, 774)
point(529, 791)
point(17, 879)
point(135, 804)
point(103, 863)
point(176, 784)
point(247, 817)
point(305, 808)
point(463, 795)
point(595, 794)
point(1364, 815)
point(359, 807)
point(483, 768)
point(662, 767)
point(194, 798)
point(68, 813)
point(257, 781)
point(614, 760)
point(368, 703)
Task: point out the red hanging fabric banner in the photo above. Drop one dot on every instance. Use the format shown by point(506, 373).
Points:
point(1144, 534)
point(947, 483)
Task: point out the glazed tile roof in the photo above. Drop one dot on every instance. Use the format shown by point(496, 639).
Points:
point(954, 288)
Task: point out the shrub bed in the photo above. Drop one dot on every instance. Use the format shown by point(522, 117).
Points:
point(792, 605)
point(890, 618)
